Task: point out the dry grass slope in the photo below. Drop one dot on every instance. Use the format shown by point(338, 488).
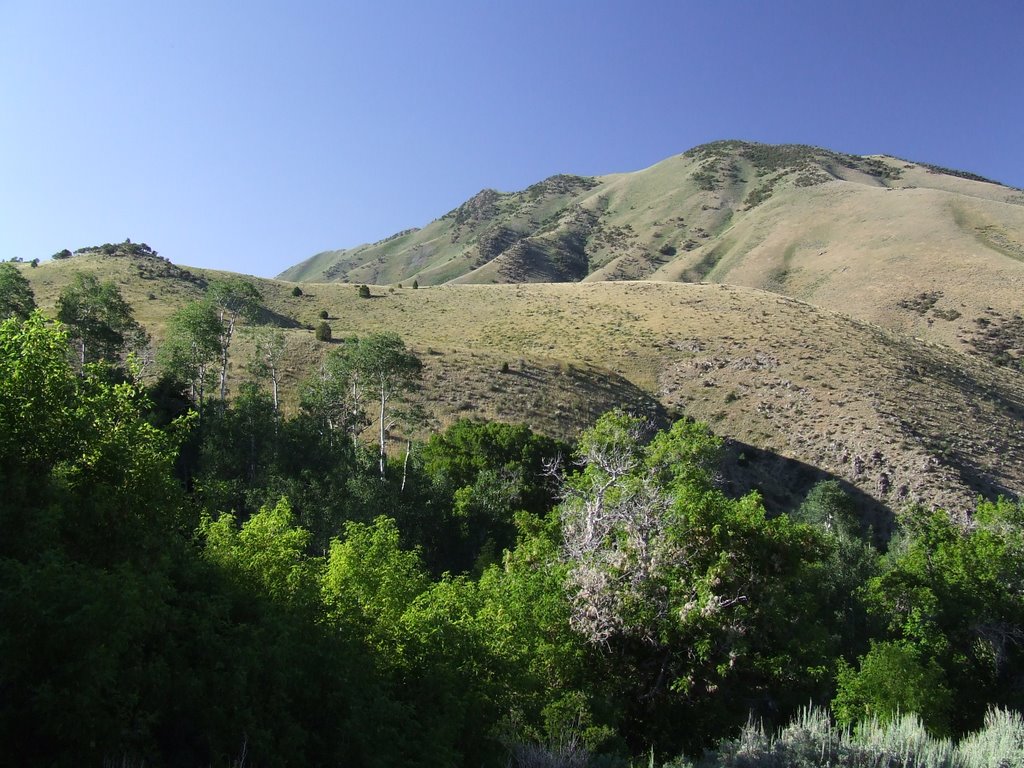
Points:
point(802, 392)
point(865, 236)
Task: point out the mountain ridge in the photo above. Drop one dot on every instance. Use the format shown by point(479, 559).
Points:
point(863, 235)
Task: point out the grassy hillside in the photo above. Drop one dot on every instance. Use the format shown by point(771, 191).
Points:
point(922, 250)
point(801, 392)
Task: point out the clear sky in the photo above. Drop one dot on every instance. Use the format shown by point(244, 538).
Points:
point(249, 136)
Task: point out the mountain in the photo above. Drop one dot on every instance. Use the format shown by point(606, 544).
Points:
point(923, 250)
point(800, 393)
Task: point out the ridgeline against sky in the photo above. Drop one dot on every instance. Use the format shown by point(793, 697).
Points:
point(247, 140)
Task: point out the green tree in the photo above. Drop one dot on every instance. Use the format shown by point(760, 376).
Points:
point(89, 504)
point(323, 331)
point(16, 297)
point(267, 552)
point(851, 561)
point(956, 595)
point(481, 475)
point(238, 452)
point(268, 356)
point(370, 578)
point(99, 321)
point(540, 662)
point(429, 636)
point(335, 397)
point(192, 344)
point(893, 679)
point(830, 508)
point(710, 608)
point(233, 299)
point(383, 368)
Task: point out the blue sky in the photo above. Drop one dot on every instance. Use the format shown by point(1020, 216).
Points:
point(249, 136)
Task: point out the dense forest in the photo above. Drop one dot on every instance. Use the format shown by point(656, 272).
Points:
point(193, 579)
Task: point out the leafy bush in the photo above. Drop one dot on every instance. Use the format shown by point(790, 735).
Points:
point(296, 291)
point(893, 678)
point(323, 332)
point(364, 292)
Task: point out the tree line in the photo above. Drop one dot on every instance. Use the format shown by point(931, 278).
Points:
point(187, 579)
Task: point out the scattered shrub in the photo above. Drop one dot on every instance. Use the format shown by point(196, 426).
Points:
point(296, 291)
point(812, 740)
point(364, 292)
point(323, 314)
point(323, 332)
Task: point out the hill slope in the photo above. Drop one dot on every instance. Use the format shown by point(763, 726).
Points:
point(802, 393)
point(923, 250)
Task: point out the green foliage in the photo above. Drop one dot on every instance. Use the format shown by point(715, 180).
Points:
point(415, 283)
point(16, 297)
point(364, 292)
point(289, 602)
point(550, 672)
point(711, 607)
point(324, 314)
point(483, 474)
point(296, 291)
point(957, 596)
point(191, 346)
point(323, 332)
point(99, 320)
point(892, 678)
point(267, 552)
point(267, 358)
point(88, 506)
point(122, 644)
point(232, 299)
point(370, 578)
point(848, 564)
point(827, 506)
point(74, 437)
point(382, 368)
point(427, 633)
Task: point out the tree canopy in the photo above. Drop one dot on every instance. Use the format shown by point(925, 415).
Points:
point(16, 297)
point(100, 322)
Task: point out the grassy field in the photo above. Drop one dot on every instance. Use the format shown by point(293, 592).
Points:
point(801, 393)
